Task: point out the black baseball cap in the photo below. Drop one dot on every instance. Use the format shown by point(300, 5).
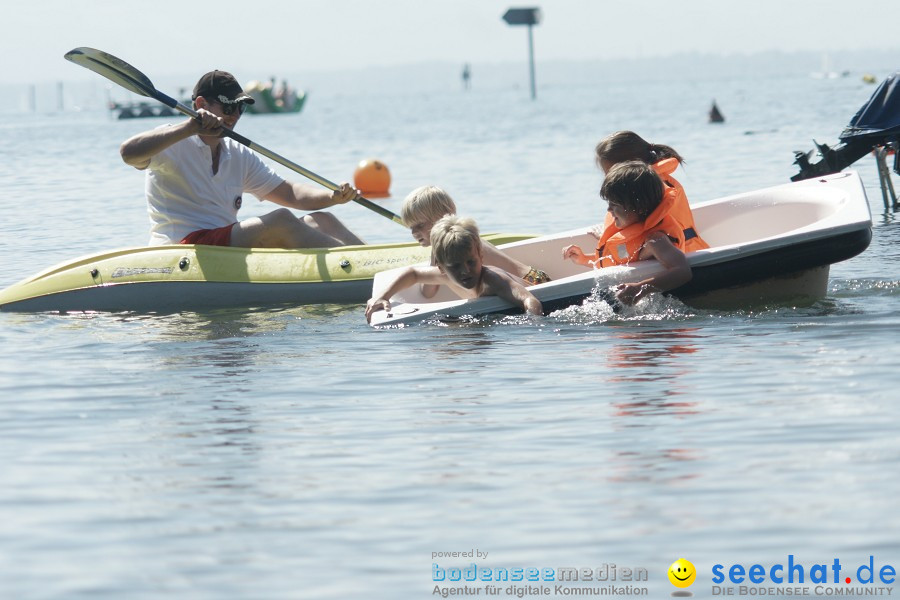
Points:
point(222, 87)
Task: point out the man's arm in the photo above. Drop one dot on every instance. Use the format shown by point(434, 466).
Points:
point(307, 197)
point(139, 149)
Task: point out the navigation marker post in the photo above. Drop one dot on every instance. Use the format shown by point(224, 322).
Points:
point(530, 17)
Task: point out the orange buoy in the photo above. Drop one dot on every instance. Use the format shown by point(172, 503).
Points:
point(372, 178)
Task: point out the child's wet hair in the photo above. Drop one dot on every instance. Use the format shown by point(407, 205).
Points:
point(427, 202)
point(452, 236)
point(635, 186)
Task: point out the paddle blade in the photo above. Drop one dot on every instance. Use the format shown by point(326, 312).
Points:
point(114, 69)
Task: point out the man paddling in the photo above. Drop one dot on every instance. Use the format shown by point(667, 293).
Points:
point(196, 180)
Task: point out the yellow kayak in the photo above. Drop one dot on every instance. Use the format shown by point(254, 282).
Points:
point(196, 277)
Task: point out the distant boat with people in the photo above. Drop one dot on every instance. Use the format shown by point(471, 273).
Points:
point(274, 99)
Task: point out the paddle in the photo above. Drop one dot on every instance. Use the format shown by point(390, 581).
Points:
point(120, 72)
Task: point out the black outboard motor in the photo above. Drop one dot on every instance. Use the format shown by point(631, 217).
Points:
point(876, 126)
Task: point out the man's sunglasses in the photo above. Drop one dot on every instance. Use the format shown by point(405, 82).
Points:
point(229, 109)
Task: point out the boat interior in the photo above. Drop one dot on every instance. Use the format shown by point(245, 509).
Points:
point(735, 225)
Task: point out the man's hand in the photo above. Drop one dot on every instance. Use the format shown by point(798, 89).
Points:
point(344, 194)
point(208, 124)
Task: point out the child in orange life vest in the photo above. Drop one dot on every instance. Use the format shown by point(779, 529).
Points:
point(627, 145)
point(456, 249)
point(424, 206)
point(642, 228)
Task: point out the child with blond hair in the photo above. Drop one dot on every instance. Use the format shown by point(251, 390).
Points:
point(424, 206)
point(456, 253)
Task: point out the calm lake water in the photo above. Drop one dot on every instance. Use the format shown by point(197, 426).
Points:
point(298, 453)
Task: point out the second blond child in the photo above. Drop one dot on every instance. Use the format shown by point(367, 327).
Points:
point(456, 251)
point(424, 206)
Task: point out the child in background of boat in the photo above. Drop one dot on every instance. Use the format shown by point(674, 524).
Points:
point(456, 250)
point(626, 145)
point(642, 228)
point(424, 206)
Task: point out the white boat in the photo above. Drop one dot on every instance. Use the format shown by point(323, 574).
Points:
point(767, 246)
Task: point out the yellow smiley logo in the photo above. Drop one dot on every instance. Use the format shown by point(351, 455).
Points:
point(682, 573)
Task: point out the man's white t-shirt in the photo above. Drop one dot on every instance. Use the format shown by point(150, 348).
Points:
point(183, 194)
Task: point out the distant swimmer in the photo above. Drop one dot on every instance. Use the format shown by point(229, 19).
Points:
point(715, 116)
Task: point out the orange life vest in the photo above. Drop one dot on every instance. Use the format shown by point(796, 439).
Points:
point(621, 246)
point(681, 211)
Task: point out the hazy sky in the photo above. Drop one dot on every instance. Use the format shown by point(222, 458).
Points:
point(167, 36)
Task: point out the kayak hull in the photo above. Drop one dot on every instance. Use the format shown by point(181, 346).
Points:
point(196, 277)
